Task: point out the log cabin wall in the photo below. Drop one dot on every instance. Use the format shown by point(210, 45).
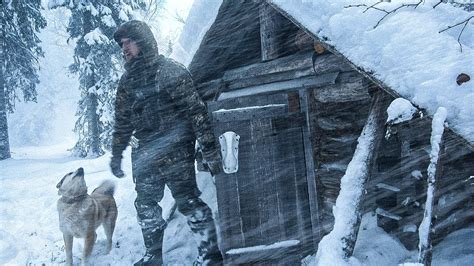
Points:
point(337, 115)
point(229, 61)
point(398, 190)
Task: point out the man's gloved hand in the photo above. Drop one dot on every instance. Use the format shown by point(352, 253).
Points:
point(115, 166)
point(215, 167)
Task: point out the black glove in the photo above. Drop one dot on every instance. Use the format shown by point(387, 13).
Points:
point(215, 167)
point(115, 166)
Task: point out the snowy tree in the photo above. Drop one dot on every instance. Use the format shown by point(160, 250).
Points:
point(21, 20)
point(97, 62)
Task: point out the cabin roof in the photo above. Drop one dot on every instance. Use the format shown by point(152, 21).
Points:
point(405, 54)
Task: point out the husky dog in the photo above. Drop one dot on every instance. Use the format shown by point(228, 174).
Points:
point(80, 214)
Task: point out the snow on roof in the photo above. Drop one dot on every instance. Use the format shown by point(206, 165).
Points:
point(200, 18)
point(405, 51)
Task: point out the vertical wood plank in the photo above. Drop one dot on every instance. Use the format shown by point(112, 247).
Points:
point(270, 23)
point(228, 197)
point(314, 203)
point(266, 177)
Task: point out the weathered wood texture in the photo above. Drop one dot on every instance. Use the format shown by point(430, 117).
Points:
point(314, 200)
point(293, 67)
point(232, 40)
point(266, 201)
point(403, 163)
point(365, 154)
point(270, 27)
point(228, 61)
point(365, 73)
point(335, 126)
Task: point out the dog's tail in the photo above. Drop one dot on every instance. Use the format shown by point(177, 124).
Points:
point(106, 188)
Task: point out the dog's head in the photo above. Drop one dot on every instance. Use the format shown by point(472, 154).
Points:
point(72, 184)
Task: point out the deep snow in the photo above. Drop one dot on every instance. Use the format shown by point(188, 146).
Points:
point(29, 230)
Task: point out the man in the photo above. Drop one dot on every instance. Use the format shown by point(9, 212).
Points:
point(157, 103)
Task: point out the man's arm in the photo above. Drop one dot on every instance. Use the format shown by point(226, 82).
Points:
point(123, 129)
point(187, 98)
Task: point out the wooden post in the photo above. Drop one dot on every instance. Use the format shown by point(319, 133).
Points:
point(314, 203)
point(353, 185)
point(270, 21)
point(434, 172)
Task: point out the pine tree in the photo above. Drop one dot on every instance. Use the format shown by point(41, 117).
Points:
point(21, 20)
point(97, 63)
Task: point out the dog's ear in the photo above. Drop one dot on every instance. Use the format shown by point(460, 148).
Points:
point(62, 180)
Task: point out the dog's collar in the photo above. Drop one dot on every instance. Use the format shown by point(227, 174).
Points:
point(70, 200)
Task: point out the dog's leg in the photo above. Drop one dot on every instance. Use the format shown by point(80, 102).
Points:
point(109, 226)
point(68, 240)
point(88, 245)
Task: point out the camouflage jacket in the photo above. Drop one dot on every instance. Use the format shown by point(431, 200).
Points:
point(162, 103)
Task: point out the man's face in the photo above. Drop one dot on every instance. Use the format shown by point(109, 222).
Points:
point(130, 49)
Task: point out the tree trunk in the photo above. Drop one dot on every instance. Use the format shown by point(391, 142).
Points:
point(4, 143)
point(434, 172)
point(93, 125)
point(93, 132)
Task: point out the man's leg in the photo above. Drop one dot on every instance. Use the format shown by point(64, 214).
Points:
point(186, 193)
point(150, 189)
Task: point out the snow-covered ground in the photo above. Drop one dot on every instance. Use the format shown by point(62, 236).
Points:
point(29, 229)
point(29, 220)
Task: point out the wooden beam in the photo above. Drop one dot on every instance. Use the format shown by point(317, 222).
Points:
point(299, 61)
point(305, 82)
point(285, 68)
point(292, 67)
point(350, 87)
point(354, 182)
point(270, 24)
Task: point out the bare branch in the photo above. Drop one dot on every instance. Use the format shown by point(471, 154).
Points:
point(440, 1)
point(387, 13)
point(465, 22)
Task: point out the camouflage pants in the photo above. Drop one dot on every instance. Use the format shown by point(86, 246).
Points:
point(177, 171)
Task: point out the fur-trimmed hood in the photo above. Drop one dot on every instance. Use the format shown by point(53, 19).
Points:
point(141, 33)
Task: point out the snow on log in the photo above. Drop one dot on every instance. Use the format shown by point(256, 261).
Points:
point(400, 110)
point(337, 247)
point(437, 129)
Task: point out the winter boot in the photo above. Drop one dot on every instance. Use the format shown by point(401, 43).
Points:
point(200, 221)
point(154, 248)
point(150, 260)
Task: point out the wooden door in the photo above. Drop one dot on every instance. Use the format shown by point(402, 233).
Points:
point(264, 209)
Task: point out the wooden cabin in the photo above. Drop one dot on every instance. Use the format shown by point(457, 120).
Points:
point(288, 109)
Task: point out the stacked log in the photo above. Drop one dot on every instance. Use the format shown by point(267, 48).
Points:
point(336, 123)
